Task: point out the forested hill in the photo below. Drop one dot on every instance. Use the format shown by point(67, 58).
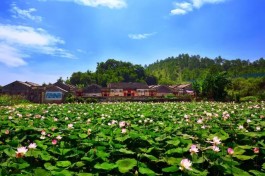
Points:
point(193, 67)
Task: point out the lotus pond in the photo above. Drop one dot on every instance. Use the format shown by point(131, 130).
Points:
point(133, 139)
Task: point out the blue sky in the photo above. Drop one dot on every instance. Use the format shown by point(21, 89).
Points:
point(42, 40)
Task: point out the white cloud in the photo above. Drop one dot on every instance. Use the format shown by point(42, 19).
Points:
point(11, 56)
point(182, 8)
point(25, 14)
point(188, 6)
point(27, 36)
point(20, 41)
point(95, 3)
point(199, 3)
point(140, 36)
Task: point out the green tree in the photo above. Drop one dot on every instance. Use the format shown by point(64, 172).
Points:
point(214, 85)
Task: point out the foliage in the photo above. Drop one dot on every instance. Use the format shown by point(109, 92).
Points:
point(214, 85)
point(194, 67)
point(133, 138)
point(249, 98)
point(7, 100)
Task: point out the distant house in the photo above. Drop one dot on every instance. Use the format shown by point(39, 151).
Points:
point(184, 89)
point(92, 90)
point(30, 91)
point(64, 86)
point(161, 90)
point(54, 94)
point(130, 89)
point(17, 88)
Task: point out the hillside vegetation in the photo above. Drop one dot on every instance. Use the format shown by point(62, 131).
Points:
point(216, 79)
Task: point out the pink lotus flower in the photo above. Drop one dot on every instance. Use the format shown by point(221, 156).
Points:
point(122, 124)
point(70, 125)
point(7, 132)
point(59, 137)
point(43, 133)
point(32, 146)
point(216, 141)
point(123, 131)
point(199, 121)
point(256, 150)
point(193, 149)
point(230, 151)
point(54, 141)
point(215, 148)
point(185, 164)
point(21, 151)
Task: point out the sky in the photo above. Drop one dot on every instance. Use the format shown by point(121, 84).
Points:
point(43, 40)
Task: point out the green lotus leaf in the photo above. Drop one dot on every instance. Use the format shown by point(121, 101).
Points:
point(175, 150)
point(41, 145)
point(102, 154)
point(63, 151)
point(151, 157)
point(63, 163)
point(84, 174)
point(87, 159)
point(145, 170)
point(62, 173)
point(23, 165)
point(235, 170)
point(174, 142)
point(41, 172)
point(122, 150)
point(124, 165)
point(105, 166)
point(83, 136)
point(80, 164)
point(50, 167)
point(45, 156)
point(170, 169)
point(238, 151)
point(244, 157)
point(257, 173)
point(172, 160)
point(10, 152)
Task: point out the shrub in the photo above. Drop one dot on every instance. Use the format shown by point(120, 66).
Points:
point(8, 100)
point(249, 98)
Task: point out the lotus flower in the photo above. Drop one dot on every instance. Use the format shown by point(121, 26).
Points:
point(230, 151)
point(21, 151)
point(32, 146)
point(193, 149)
point(185, 164)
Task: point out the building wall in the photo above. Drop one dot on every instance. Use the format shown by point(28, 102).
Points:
point(116, 92)
point(91, 95)
point(142, 92)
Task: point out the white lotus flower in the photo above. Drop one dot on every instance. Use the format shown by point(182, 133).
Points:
point(185, 164)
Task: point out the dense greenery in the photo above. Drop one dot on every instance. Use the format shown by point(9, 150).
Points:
point(216, 79)
point(7, 100)
point(189, 68)
point(133, 139)
point(112, 71)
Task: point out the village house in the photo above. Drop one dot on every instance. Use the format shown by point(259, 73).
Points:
point(184, 89)
point(64, 86)
point(161, 90)
point(54, 94)
point(130, 89)
point(92, 90)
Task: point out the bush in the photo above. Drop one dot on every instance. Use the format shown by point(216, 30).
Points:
point(249, 98)
point(261, 96)
point(8, 100)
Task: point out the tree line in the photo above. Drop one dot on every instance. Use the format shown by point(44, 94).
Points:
point(211, 78)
